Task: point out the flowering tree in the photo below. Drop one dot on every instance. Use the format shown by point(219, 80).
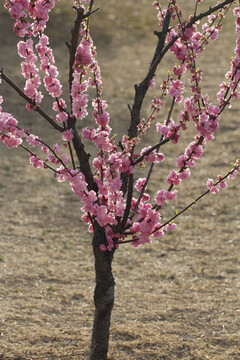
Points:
point(116, 206)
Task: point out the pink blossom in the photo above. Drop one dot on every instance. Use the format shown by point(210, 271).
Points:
point(176, 90)
point(89, 133)
point(183, 175)
point(189, 105)
point(78, 183)
point(140, 184)
point(22, 48)
point(160, 197)
point(171, 195)
point(158, 233)
point(61, 117)
point(35, 161)
point(11, 141)
point(173, 178)
point(157, 104)
point(30, 88)
point(214, 190)
point(214, 34)
point(102, 141)
point(213, 110)
point(209, 183)
point(181, 161)
point(45, 149)
point(67, 135)
point(92, 196)
point(153, 156)
point(83, 56)
point(53, 86)
point(222, 184)
point(33, 140)
point(135, 228)
point(162, 129)
point(145, 227)
point(144, 238)
point(179, 70)
point(7, 122)
point(171, 226)
point(145, 197)
point(232, 176)
point(102, 119)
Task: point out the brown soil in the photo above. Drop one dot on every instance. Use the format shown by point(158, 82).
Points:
point(178, 298)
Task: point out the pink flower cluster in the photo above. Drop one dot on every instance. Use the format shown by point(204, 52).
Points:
point(220, 183)
point(37, 10)
point(52, 84)
point(30, 70)
point(171, 130)
point(153, 157)
point(176, 90)
point(163, 195)
point(9, 134)
point(31, 18)
point(147, 223)
point(100, 136)
point(12, 136)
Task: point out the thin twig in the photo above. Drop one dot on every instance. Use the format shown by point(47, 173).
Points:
point(141, 89)
point(31, 153)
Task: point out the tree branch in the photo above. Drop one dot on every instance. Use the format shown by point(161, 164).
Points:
point(235, 168)
point(82, 156)
point(83, 159)
point(189, 24)
point(129, 202)
point(72, 46)
point(31, 153)
point(141, 89)
point(155, 147)
point(31, 102)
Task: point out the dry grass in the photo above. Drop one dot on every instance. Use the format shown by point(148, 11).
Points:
point(178, 298)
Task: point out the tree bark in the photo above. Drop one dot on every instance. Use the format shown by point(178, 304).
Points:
point(103, 296)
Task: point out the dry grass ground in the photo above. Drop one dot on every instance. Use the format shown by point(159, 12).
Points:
point(178, 298)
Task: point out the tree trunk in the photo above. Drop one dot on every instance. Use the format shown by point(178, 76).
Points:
point(103, 296)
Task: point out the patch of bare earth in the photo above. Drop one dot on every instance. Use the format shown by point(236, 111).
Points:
point(178, 298)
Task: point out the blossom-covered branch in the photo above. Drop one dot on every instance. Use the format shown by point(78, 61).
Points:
point(31, 102)
point(213, 187)
point(111, 195)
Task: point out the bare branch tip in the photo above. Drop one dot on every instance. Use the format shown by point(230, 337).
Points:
point(129, 107)
point(67, 43)
point(90, 13)
point(158, 33)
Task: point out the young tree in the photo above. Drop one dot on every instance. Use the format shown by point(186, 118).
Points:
point(116, 205)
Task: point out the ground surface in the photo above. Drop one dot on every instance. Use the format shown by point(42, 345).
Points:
point(178, 298)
